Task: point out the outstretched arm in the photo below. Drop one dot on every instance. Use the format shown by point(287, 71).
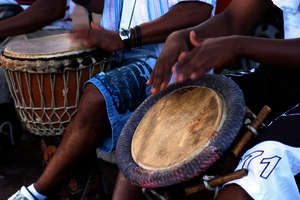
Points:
point(219, 52)
point(182, 15)
point(40, 14)
point(219, 41)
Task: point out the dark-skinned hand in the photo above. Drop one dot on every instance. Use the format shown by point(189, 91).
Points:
point(211, 53)
point(97, 36)
point(175, 44)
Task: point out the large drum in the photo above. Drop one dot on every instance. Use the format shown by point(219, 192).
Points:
point(178, 134)
point(45, 77)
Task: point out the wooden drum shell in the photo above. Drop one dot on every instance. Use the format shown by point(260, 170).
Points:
point(45, 77)
point(47, 102)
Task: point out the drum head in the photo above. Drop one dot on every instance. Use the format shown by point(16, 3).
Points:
point(47, 47)
point(179, 133)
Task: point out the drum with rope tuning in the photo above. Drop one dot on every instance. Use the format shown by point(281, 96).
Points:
point(46, 76)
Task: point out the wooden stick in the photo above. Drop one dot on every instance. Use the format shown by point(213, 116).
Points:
point(256, 123)
point(248, 135)
point(217, 181)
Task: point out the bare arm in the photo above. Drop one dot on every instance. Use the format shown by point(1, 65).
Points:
point(41, 13)
point(218, 52)
point(237, 19)
point(182, 15)
point(279, 53)
point(216, 48)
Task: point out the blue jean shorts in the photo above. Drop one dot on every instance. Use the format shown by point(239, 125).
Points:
point(124, 88)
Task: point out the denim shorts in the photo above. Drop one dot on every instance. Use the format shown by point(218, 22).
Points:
point(124, 88)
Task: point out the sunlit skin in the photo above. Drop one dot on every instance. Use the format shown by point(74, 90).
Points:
point(216, 43)
point(93, 37)
point(87, 129)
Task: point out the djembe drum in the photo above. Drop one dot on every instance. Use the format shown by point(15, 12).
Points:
point(45, 77)
point(181, 132)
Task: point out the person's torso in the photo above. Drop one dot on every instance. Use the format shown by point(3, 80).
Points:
point(127, 14)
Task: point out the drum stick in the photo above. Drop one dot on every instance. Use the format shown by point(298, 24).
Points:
point(256, 123)
point(217, 181)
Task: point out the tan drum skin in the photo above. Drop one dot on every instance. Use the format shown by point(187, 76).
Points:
point(177, 127)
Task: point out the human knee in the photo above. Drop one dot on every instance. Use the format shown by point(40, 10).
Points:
point(92, 105)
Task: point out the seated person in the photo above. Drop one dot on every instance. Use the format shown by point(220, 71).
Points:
point(113, 96)
point(274, 161)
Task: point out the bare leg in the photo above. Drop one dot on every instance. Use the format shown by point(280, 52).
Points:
point(82, 137)
point(233, 192)
point(126, 191)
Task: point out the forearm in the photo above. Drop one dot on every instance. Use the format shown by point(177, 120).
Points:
point(237, 19)
point(280, 53)
point(41, 13)
point(182, 15)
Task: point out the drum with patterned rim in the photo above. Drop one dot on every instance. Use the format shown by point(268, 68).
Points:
point(181, 132)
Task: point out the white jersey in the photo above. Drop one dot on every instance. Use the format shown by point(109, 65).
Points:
point(272, 164)
point(291, 16)
point(64, 23)
point(271, 169)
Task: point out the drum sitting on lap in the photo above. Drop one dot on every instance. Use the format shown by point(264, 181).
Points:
point(180, 133)
point(45, 77)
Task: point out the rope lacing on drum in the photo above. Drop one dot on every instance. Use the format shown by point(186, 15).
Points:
point(205, 180)
point(248, 122)
point(40, 118)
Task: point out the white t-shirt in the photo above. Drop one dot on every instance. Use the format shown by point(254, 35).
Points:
point(271, 169)
point(126, 14)
point(291, 15)
point(64, 23)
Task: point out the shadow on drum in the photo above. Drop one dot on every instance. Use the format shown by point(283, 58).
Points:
point(175, 137)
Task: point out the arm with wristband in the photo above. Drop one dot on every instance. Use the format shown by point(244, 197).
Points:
point(218, 42)
point(182, 15)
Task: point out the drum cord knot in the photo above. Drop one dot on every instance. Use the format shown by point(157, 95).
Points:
point(206, 179)
point(249, 119)
point(253, 130)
